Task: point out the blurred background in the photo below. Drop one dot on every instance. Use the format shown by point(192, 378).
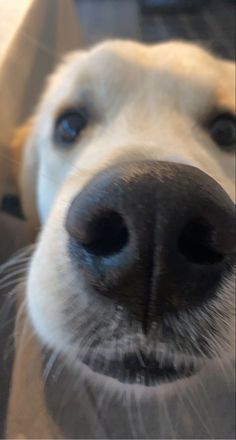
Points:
point(209, 22)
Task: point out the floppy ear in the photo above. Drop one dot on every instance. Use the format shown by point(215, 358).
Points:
point(25, 170)
point(17, 147)
point(228, 84)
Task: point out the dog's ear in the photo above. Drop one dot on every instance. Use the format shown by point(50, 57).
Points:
point(24, 161)
point(228, 85)
point(17, 146)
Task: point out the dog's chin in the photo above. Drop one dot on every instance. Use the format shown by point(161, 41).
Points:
point(140, 369)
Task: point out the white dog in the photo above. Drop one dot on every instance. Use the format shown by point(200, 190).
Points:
point(129, 168)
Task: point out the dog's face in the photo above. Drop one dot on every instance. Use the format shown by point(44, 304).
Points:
point(132, 280)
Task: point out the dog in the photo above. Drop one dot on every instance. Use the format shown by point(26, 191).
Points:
point(128, 170)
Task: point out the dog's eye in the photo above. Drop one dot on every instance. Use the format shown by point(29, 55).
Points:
point(69, 125)
point(223, 130)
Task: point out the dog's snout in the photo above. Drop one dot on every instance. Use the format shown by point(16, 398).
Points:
point(152, 236)
point(102, 235)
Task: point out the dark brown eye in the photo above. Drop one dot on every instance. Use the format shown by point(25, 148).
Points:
point(69, 126)
point(222, 129)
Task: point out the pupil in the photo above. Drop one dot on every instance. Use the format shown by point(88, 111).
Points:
point(69, 129)
point(225, 132)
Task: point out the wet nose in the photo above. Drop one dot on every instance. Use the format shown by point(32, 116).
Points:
point(153, 237)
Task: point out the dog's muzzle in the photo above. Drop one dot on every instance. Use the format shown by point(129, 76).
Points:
point(155, 237)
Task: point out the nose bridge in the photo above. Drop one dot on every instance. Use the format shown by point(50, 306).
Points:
point(157, 130)
point(153, 118)
point(151, 133)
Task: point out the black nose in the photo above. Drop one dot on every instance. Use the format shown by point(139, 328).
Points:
point(152, 236)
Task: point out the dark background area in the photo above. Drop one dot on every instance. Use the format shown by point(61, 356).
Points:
point(208, 22)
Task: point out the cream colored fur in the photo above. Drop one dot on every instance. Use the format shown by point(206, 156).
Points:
point(146, 102)
point(152, 99)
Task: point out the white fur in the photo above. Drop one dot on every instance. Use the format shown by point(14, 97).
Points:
point(147, 102)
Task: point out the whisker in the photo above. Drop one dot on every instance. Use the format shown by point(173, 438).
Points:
point(12, 282)
point(19, 256)
point(13, 275)
point(201, 420)
point(49, 366)
point(166, 420)
point(131, 416)
point(140, 419)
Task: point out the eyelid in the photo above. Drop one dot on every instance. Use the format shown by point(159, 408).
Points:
point(219, 113)
point(82, 109)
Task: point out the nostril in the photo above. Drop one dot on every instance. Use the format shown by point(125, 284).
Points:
point(107, 234)
point(196, 242)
